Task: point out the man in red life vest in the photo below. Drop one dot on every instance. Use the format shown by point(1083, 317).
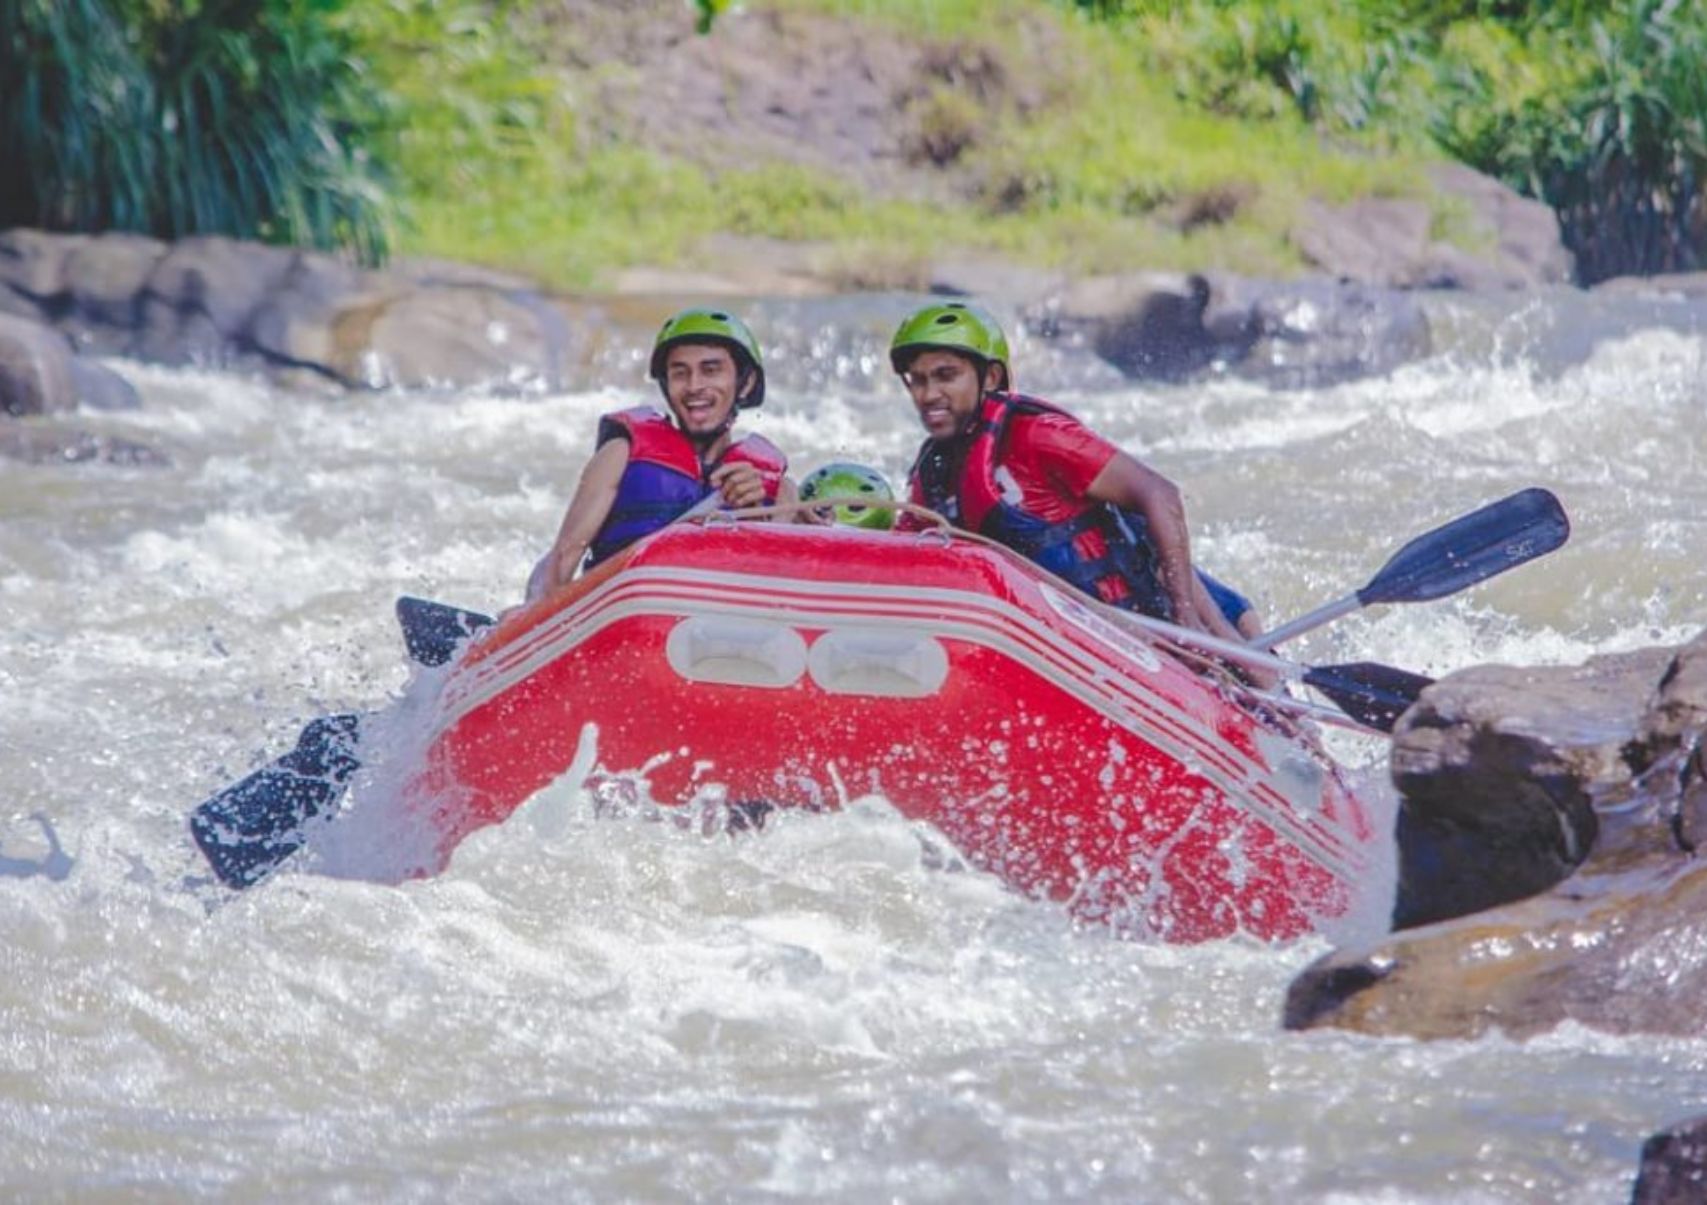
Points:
point(650, 469)
point(1031, 476)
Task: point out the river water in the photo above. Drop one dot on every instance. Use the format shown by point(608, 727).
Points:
point(610, 1009)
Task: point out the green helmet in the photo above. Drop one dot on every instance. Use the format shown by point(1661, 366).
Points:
point(840, 480)
point(701, 325)
point(951, 326)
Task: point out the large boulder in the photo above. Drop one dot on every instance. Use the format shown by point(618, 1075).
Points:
point(1504, 240)
point(445, 337)
point(202, 294)
point(1497, 768)
point(1147, 324)
point(34, 262)
point(100, 388)
point(106, 275)
point(1522, 244)
point(35, 368)
point(1619, 943)
point(1313, 331)
point(295, 323)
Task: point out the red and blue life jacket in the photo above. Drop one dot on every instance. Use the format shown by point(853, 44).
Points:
point(664, 478)
point(957, 478)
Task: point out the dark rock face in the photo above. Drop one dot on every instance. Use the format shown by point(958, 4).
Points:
point(1498, 768)
point(1147, 324)
point(1674, 1166)
point(1315, 331)
point(1513, 777)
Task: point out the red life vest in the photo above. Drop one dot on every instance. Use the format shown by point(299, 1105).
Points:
point(664, 478)
point(1102, 550)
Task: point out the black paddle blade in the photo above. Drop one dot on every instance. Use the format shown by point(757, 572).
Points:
point(433, 630)
point(1471, 549)
point(1374, 695)
point(250, 827)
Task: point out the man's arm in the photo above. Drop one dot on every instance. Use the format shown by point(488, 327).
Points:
point(594, 496)
point(1126, 483)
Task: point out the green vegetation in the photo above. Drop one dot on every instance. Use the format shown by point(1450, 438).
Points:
point(1109, 171)
point(1599, 107)
point(248, 117)
point(1090, 134)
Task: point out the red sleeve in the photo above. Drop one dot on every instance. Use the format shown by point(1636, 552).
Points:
point(1066, 452)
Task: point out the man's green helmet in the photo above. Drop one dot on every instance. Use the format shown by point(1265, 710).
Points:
point(843, 480)
point(950, 326)
point(704, 325)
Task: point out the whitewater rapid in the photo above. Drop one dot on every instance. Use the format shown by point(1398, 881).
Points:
point(622, 1008)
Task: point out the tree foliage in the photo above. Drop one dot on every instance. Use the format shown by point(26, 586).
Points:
point(1597, 107)
point(243, 117)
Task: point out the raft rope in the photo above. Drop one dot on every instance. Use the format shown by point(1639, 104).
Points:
point(1217, 671)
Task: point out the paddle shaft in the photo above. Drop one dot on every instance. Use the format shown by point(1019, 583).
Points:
point(1324, 614)
point(1232, 650)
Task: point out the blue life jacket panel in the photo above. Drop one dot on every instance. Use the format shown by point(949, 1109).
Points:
point(664, 478)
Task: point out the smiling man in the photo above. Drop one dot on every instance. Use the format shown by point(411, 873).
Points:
point(651, 468)
point(1028, 474)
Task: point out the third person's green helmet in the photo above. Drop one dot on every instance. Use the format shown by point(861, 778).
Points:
point(843, 480)
point(705, 325)
point(951, 326)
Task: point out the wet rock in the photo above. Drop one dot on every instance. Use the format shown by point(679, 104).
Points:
point(20, 305)
point(295, 324)
point(202, 294)
point(1313, 332)
point(34, 262)
point(1624, 953)
point(106, 275)
point(1620, 944)
point(1674, 1166)
point(35, 368)
point(440, 336)
point(1498, 768)
point(1147, 324)
point(100, 388)
point(36, 443)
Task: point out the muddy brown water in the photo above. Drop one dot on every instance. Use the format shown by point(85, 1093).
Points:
point(623, 1009)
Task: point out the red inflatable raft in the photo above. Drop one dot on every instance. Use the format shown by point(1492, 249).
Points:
point(801, 666)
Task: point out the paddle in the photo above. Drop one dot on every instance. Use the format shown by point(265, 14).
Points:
point(249, 828)
point(1374, 695)
point(433, 631)
point(1470, 549)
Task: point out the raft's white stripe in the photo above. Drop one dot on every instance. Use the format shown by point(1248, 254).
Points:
point(760, 592)
point(573, 626)
point(1157, 711)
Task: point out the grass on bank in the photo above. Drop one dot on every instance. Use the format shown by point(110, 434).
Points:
point(1112, 173)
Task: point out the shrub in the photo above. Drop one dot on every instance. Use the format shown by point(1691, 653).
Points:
point(240, 117)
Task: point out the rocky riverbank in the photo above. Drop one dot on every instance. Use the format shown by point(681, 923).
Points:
point(319, 321)
point(1548, 833)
